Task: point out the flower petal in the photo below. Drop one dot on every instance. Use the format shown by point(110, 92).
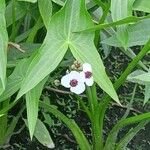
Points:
point(65, 81)
point(80, 88)
point(89, 82)
point(82, 74)
point(87, 67)
point(76, 75)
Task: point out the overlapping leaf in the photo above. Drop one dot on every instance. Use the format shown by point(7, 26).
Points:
point(138, 35)
point(60, 37)
point(14, 80)
point(120, 10)
point(32, 101)
point(45, 8)
point(42, 135)
point(143, 78)
point(142, 5)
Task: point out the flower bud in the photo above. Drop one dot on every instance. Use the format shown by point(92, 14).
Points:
point(56, 82)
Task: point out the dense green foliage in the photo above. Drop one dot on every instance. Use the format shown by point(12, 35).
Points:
point(41, 39)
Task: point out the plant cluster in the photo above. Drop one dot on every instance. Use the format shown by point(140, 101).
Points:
point(41, 39)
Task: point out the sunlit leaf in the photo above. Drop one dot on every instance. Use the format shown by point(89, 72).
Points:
point(132, 76)
point(143, 78)
point(14, 80)
point(42, 135)
point(142, 5)
point(45, 8)
point(138, 33)
point(120, 10)
point(32, 101)
point(3, 46)
point(59, 38)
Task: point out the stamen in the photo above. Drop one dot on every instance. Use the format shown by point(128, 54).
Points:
point(88, 74)
point(73, 82)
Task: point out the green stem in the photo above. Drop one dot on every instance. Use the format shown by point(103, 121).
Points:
point(84, 106)
point(97, 140)
point(94, 109)
point(90, 99)
point(94, 96)
point(106, 99)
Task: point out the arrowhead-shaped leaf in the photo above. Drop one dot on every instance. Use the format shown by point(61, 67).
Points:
point(60, 36)
point(3, 46)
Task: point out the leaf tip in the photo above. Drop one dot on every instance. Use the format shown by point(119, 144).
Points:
point(51, 145)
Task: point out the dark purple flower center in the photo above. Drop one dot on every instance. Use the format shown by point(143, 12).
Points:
point(88, 74)
point(73, 82)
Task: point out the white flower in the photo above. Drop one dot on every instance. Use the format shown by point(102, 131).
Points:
point(74, 81)
point(87, 74)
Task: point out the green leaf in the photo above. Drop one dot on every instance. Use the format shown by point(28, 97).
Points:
point(29, 48)
point(138, 33)
point(42, 135)
point(32, 1)
point(1, 115)
point(32, 102)
point(3, 46)
point(129, 136)
point(20, 10)
point(120, 10)
point(128, 20)
point(59, 37)
point(78, 134)
point(59, 2)
point(88, 53)
point(147, 93)
point(142, 5)
point(13, 124)
point(111, 139)
point(143, 77)
point(45, 8)
point(132, 77)
point(14, 80)
point(146, 79)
